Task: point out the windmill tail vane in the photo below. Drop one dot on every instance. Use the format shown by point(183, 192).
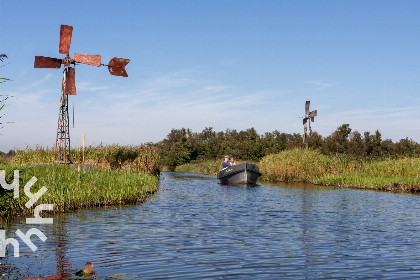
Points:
point(116, 67)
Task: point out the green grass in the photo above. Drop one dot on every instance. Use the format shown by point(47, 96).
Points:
point(299, 165)
point(210, 167)
point(404, 167)
point(69, 189)
point(342, 170)
point(121, 175)
point(377, 182)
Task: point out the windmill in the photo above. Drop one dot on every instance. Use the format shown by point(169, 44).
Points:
point(309, 117)
point(116, 67)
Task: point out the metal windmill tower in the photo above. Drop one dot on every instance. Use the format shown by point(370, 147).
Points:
point(116, 67)
point(308, 118)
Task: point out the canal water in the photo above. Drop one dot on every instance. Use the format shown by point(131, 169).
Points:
point(195, 228)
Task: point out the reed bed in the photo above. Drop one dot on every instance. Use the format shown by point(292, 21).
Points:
point(311, 166)
point(404, 167)
point(210, 167)
point(69, 189)
point(144, 158)
point(375, 182)
point(299, 165)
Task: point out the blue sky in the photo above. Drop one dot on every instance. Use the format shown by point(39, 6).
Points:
point(220, 64)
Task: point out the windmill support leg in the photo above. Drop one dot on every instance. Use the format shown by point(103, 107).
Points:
point(305, 140)
point(62, 142)
point(308, 136)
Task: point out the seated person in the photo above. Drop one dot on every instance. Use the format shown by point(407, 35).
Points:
point(232, 161)
point(226, 163)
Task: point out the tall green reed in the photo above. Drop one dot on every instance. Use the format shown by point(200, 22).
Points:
point(342, 170)
point(69, 189)
point(144, 158)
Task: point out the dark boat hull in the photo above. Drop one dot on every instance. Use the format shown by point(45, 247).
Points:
point(244, 173)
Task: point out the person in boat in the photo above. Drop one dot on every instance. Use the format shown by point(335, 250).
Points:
point(226, 163)
point(232, 161)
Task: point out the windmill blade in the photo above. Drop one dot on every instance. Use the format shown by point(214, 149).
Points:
point(65, 39)
point(307, 107)
point(305, 120)
point(314, 113)
point(2, 56)
point(304, 128)
point(312, 119)
point(116, 66)
point(71, 82)
point(90, 59)
point(47, 62)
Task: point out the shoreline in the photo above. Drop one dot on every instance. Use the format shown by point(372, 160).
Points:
point(70, 189)
point(395, 187)
point(310, 166)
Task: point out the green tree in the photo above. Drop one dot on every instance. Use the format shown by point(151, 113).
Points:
point(315, 141)
point(209, 144)
point(356, 144)
point(338, 141)
point(273, 142)
point(179, 153)
point(252, 145)
point(389, 148)
point(294, 140)
point(377, 143)
point(373, 144)
point(408, 147)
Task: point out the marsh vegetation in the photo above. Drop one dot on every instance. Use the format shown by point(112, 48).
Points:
point(344, 158)
point(120, 175)
point(299, 165)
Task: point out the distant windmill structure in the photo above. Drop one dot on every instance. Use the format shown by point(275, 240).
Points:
point(309, 117)
point(116, 67)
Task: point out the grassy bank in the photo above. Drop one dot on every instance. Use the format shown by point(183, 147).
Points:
point(210, 167)
point(69, 189)
point(121, 175)
point(341, 170)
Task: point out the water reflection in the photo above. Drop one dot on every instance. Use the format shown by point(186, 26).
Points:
point(61, 245)
point(196, 228)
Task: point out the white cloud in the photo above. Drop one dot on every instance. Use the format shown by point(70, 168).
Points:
point(320, 85)
point(35, 84)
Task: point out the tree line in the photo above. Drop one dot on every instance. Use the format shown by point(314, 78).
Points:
point(182, 146)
